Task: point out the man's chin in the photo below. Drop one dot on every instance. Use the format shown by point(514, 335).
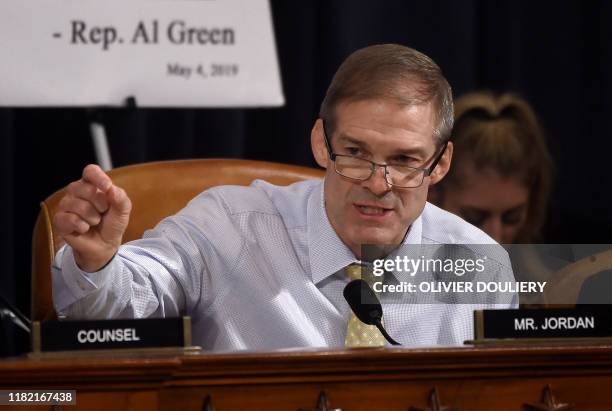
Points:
point(376, 238)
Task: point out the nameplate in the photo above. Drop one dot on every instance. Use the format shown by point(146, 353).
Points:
point(528, 324)
point(77, 335)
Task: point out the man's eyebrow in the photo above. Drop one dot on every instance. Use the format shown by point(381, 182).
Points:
point(421, 151)
point(351, 140)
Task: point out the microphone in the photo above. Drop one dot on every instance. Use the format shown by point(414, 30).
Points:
point(364, 303)
point(7, 310)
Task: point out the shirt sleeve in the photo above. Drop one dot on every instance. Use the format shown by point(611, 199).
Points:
point(166, 273)
point(503, 275)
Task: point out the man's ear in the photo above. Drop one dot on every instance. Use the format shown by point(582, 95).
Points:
point(443, 165)
point(317, 143)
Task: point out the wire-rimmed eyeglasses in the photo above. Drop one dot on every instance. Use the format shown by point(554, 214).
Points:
point(361, 169)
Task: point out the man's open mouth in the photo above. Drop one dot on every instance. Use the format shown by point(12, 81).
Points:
point(372, 210)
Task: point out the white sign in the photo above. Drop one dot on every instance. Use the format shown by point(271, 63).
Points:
point(202, 53)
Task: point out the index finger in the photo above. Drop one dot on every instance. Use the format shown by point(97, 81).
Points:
point(93, 174)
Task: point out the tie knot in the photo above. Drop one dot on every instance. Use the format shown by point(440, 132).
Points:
point(353, 272)
point(360, 272)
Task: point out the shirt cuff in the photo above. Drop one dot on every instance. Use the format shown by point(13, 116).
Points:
point(79, 282)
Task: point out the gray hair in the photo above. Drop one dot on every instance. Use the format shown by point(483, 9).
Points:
point(395, 72)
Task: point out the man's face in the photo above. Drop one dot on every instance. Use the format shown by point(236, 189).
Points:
point(372, 211)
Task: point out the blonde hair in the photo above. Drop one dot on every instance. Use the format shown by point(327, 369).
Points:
point(502, 133)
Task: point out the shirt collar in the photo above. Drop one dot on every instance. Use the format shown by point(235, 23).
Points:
point(326, 251)
point(415, 232)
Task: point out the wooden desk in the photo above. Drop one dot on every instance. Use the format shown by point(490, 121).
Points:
point(466, 379)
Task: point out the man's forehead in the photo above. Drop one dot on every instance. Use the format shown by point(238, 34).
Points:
point(384, 102)
point(372, 111)
point(375, 121)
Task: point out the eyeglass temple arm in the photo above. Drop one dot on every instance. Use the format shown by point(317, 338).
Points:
point(437, 160)
point(327, 143)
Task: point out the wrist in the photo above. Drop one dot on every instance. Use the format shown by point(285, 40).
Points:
point(92, 265)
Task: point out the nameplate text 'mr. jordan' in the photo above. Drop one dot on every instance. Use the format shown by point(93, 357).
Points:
point(570, 323)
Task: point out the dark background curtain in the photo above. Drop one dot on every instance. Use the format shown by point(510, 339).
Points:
point(555, 54)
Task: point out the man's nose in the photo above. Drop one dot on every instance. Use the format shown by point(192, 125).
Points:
point(377, 183)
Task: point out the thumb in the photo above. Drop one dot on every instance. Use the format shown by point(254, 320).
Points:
point(119, 202)
point(115, 220)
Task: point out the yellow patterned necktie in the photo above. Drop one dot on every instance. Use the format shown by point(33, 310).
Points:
point(359, 334)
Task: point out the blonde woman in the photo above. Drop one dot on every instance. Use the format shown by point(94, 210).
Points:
point(501, 175)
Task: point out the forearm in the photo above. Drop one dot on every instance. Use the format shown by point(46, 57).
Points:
point(133, 285)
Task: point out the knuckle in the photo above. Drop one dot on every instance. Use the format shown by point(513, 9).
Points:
point(85, 210)
point(57, 221)
point(80, 208)
point(61, 223)
point(72, 218)
point(72, 205)
point(78, 224)
point(96, 219)
point(73, 187)
point(87, 190)
point(63, 203)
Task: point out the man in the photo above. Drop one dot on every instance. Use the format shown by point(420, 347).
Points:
point(264, 267)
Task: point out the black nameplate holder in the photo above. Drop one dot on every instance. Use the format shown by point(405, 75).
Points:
point(73, 336)
point(592, 324)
